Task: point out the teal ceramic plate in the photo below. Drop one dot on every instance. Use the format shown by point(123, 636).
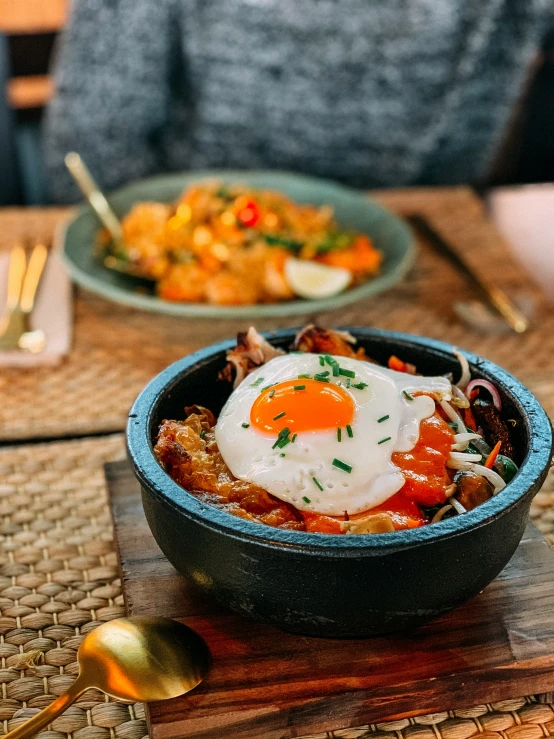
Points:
point(352, 209)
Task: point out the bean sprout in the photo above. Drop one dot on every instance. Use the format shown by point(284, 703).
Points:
point(458, 507)
point(466, 372)
point(453, 416)
point(440, 513)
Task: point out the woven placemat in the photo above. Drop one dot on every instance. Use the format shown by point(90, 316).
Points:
point(117, 350)
point(59, 579)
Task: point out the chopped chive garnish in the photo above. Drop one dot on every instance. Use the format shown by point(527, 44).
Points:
point(383, 418)
point(317, 483)
point(293, 438)
point(203, 434)
point(349, 431)
point(258, 382)
point(329, 359)
point(300, 387)
point(282, 454)
point(307, 500)
point(281, 443)
point(346, 373)
point(267, 387)
point(321, 361)
point(284, 432)
point(342, 465)
point(245, 425)
point(360, 385)
point(348, 382)
point(339, 434)
point(322, 377)
point(407, 395)
point(279, 415)
point(336, 370)
point(387, 438)
point(271, 393)
point(304, 377)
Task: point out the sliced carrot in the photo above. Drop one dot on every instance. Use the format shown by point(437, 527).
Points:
point(396, 364)
point(469, 419)
point(491, 459)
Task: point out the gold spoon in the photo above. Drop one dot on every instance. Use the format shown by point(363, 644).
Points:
point(131, 659)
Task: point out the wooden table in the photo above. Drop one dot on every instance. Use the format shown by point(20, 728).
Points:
point(58, 575)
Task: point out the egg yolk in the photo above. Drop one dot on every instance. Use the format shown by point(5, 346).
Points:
point(302, 405)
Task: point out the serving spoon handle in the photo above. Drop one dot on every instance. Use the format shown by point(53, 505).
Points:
point(94, 195)
point(33, 725)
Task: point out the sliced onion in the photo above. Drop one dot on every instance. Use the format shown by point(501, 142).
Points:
point(496, 399)
point(492, 476)
point(458, 507)
point(453, 416)
point(466, 372)
point(440, 513)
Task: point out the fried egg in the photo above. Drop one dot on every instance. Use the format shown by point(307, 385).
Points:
point(319, 432)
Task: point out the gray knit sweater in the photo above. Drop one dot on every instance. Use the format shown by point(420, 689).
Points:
point(369, 92)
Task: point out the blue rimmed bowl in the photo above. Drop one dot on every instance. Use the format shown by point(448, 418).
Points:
point(330, 585)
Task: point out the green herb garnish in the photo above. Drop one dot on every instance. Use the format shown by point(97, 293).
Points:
point(290, 244)
point(339, 434)
point(321, 361)
point(342, 465)
point(245, 425)
point(321, 378)
point(336, 370)
point(387, 438)
point(258, 382)
point(271, 393)
point(203, 434)
point(383, 418)
point(307, 500)
point(279, 415)
point(360, 385)
point(349, 431)
point(407, 395)
point(346, 373)
point(317, 483)
point(304, 377)
point(300, 387)
point(293, 438)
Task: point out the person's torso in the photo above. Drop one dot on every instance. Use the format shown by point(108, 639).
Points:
point(370, 93)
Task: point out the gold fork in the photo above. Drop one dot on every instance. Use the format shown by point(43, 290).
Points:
point(23, 281)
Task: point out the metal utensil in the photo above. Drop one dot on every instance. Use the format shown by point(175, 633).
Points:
point(99, 203)
point(494, 295)
point(23, 282)
point(131, 659)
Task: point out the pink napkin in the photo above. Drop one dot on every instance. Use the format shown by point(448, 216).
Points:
point(53, 314)
point(525, 216)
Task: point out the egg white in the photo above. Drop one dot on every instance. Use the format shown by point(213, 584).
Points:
point(374, 478)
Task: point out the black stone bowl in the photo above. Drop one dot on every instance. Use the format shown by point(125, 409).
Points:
point(332, 585)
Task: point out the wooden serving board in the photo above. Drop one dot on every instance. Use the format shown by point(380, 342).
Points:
point(268, 684)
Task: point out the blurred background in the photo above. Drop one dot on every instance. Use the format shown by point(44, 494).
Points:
point(30, 29)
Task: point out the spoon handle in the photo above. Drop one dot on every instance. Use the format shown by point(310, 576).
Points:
point(84, 180)
point(48, 714)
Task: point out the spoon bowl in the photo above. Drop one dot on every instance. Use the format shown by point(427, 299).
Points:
point(143, 659)
point(132, 659)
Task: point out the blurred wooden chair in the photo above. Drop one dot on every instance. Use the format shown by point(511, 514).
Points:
point(28, 29)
